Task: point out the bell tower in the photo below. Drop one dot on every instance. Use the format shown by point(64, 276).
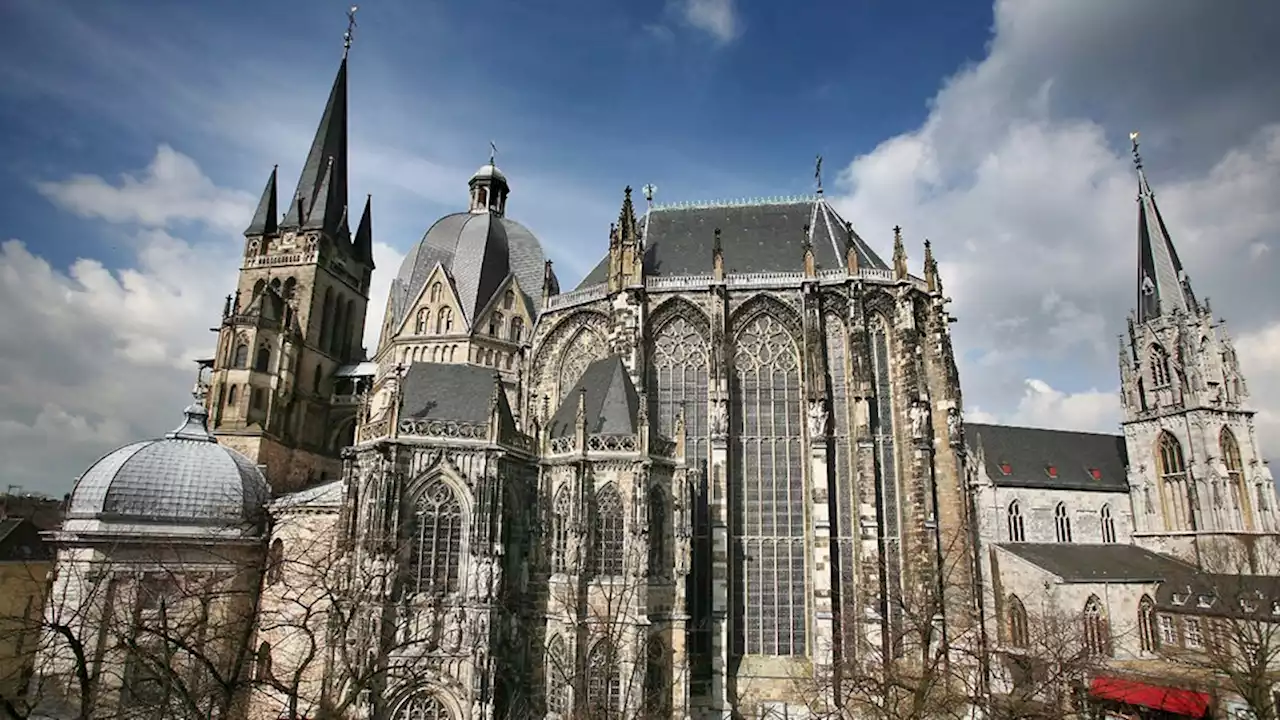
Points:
point(1198, 484)
point(290, 333)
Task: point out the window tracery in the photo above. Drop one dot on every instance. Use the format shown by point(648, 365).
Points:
point(1159, 367)
point(657, 533)
point(585, 348)
point(1147, 624)
point(424, 706)
point(1062, 523)
point(607, 558)
point(768, 498)
point(1230, 450)
point(444, 320)
point(1017, 527)
point(560, 532)
point(1097, 640)
point(884, 438)
point(436, 540)
point(845, 511)
point(558, 674)
point(604, 683)
point(240, 358)
point(657, 689)
point(1172, 477)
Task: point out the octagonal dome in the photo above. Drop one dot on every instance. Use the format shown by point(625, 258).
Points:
point(184, 479)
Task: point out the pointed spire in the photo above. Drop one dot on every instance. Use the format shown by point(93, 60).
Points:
point(549, 286)
point(323, 183)
point(1163, 285)
point(931, 268)
point(363, 246)
point(627, 224)
point(899, 255)
point(266, 218)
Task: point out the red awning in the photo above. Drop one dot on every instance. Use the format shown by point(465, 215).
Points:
point(1174, 700)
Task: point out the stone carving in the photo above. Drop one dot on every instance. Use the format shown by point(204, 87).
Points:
point(719, 419)
point(817, 418)
point(955, 426)
point(919, 415)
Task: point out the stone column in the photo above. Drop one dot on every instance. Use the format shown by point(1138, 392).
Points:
point(718, 492)
point(820, 548)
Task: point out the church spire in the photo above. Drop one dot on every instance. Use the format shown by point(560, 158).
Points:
point(363, 245)
point(265, 218)
point(1163, 285)
point(323, 183)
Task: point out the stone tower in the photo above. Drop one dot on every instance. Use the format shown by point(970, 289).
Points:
point(296, 319)
point(1199, 488)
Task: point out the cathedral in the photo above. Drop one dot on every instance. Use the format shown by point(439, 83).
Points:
point(725, 476)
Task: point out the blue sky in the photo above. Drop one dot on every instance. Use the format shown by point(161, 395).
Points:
point(136, 135)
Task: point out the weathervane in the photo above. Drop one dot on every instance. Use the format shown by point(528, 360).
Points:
point(351, 25)
point(817, 173)
point(493, 152)
point(1137, 159)
point(649, 191)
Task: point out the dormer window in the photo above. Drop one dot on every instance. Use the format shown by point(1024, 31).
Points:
point(1006, 468)
point(1095, 473)
point(1275, 607)
point(1204, 601)
point(1052, 471)
point(1180, 598)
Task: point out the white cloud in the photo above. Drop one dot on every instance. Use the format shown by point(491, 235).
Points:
point(1259, 354)
point(92, 358)
point(718, 18)
point(171, 188)
point(1028, 193)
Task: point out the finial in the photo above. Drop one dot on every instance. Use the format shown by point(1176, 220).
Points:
point(627, 192)
point(493, 153)
point(1137, 159)
point(899, 254)
point(351, 26)
point(817, 173)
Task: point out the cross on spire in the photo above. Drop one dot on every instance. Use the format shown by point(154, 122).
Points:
point(1137, 159)
point(351, 26)
point(817, 173)
point(493, 152)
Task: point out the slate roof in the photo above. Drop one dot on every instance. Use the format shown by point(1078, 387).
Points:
point(611, 402)
point(1029, 453)
point(322, 186)
point(461, 393)
point(1079, 563)
point(1220, 595)
point(478, 250)
point(1163, 285)
point(755, 237)
point(20, 541)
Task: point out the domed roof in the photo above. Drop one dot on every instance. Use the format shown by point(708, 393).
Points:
point(184, 478)
point(478, 250)
point(488, 171)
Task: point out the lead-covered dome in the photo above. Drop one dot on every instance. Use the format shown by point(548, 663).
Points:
point(184, 479)
point(478, 249)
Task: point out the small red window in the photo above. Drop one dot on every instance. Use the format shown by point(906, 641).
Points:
point(1053, 471)
point(1006, 468)
point(1096, 473)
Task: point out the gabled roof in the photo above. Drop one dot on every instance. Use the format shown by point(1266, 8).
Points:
point(610, 401)
point(459, 393)
point(1030, 452)
point(20, 541)
point(756, 237)
point(1109, 563)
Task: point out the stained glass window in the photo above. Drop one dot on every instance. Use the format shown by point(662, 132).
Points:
point(604, 685)
point(767, 492)
point(423, 706)
point(1096, 638)
point(560, 532)
point(1173, 482)
point(607, 558)
point(1230, 450)
point(436, 546)
point(882, 427)
point(559, 675)
point(1018, 630)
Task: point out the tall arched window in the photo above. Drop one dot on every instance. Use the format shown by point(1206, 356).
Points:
point(1172, 480)
point(604, 684)
point(560, 532)
point(559, 676)
point(436, 540)
point(508, 300)
point(326, 320)
point(495, 324)
point(1230, 450)
point(517, 329)
point(435, 292)
point(232, 397)
point(1159, 367)
point(1017, 528)
point(240, 358)
point(1097, 640)
point(768, 530)
point(262, 361)
point(657, 533)
point(444, 320)
point(420, 326)
point(1018, 630)
point(1108, 524)
point(657, 683)
point(607, 558)
point(423, 706)
point(883, 425)
point(585, 348)
point(1062, 523)
point(1147, 623)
